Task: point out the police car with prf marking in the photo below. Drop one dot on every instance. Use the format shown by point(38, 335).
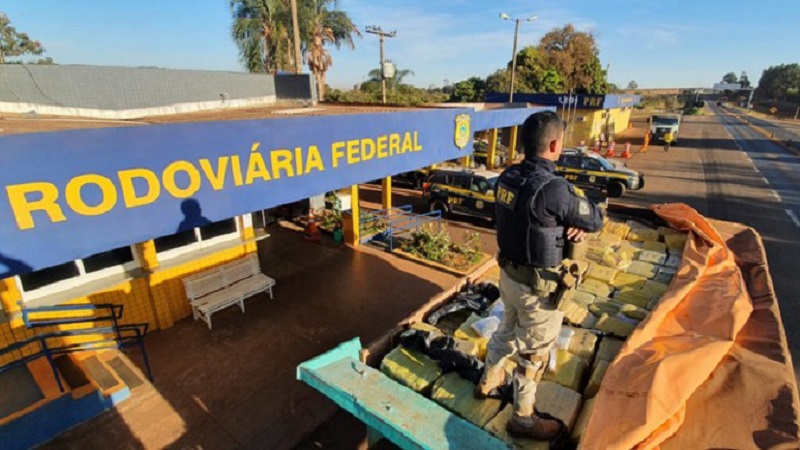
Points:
point(461, 191)
point(592, 171)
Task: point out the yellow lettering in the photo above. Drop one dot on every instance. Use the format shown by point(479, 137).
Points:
point(314, 160)
point(256, 167)
point(509, 197)
point(417, 147)
point(281, 160)
point(352, 151)
point(367, 143)
point(236, 170)
point(126, 178)
point(298, 159)
point(382, 147)
point(337, 152)
point(407, 146)
point(75, 200)
point(22, 207)
point(168, 178)
point(394, 143)
point(216, 179)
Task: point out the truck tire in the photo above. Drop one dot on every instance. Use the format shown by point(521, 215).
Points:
point(438, 205)
point(616, 189)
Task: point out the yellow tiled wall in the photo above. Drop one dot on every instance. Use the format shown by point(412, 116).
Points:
point(156, 298)
point(591, 123)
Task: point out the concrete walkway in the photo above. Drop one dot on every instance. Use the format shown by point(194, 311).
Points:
point(234, 387)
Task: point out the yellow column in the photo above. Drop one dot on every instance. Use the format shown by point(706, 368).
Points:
point(146, 251)
point(247, 233)
point(465, 161)
point(355, 217)
point(9, 295)
point(387, 193)
point(491, 154)
point(512, 147)
point(147, 255)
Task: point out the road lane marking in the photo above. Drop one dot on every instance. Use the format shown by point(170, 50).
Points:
point(776, 195)
point(791, 215)
point(766, 181)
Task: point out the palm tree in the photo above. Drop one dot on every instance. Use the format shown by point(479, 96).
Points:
point(261, 31)
point(325, 26)
point(396, 80)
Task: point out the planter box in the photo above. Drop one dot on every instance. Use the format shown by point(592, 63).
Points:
point(439, 266)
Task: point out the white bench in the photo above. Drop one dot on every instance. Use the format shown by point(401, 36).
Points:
point(229, 284)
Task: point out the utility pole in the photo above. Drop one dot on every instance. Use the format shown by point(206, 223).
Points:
point(505, 16)
point(382, 35)
point(298, 64)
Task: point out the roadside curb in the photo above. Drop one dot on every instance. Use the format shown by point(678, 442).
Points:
point(769, 136)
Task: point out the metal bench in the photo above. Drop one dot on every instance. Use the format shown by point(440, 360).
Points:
point(215, 289)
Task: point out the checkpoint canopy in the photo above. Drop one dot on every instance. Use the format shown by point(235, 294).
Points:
point(70, 194)
point(581, 101)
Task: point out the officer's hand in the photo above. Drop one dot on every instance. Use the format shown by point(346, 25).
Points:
point(575, 234)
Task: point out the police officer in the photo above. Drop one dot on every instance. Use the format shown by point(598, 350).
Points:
point(536, 213)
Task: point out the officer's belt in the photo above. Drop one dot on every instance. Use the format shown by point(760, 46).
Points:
point(543, 281)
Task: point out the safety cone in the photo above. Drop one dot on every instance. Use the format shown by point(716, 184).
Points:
point(627, 152)
point(611, 148)
point(596, 147)
point(312, 232)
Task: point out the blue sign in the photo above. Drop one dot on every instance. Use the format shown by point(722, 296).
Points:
point(70, 194)
point(579, 101)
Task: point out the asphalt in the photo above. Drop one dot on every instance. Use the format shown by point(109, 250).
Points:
point(727, 170)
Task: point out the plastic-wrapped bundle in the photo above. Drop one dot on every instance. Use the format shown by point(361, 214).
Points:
point(633, 296)
point(643, 269)
point(455, 394)
point(652, 257)
point(411, 369)
point(611, 324)
point(601, 273)
point(569, 370)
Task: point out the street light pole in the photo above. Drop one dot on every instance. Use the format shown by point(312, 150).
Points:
point(382, 35)
point(513, 63)
point(505, 16)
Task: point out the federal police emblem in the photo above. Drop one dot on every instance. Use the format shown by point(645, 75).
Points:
point(463, 130)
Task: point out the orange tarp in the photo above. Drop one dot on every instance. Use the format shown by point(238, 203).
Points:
point(709, 368)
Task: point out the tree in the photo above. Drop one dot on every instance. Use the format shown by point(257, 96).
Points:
point(744, 80)
point(14, 44)
point(632, 85)
point(472, 89)
point(393, 82)
point(779, 81)
point(261, 30)
point(729, 77)
point(574, 55)
point(326, 26)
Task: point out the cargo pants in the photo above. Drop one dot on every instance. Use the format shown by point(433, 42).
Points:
point(529, 329)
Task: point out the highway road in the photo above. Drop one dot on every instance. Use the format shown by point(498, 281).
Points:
point(727, 170)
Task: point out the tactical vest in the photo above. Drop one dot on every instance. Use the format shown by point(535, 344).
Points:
point(524, 238)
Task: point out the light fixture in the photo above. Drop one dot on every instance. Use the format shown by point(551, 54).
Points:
point(504, 16)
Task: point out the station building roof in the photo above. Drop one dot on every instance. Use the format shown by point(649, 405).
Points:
point(76, 187)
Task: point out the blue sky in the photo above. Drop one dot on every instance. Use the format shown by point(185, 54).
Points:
point(666, 43)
